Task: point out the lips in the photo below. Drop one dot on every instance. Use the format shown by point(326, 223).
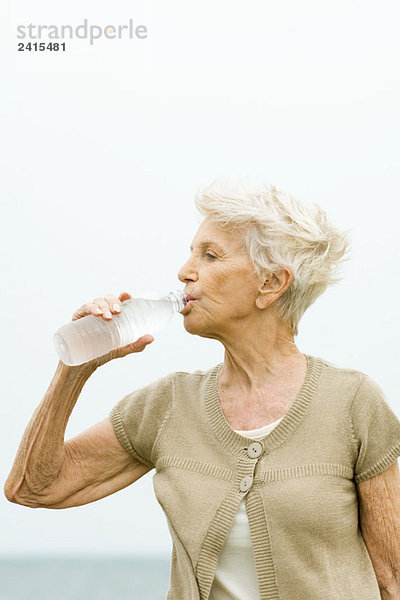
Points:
point(188, 302)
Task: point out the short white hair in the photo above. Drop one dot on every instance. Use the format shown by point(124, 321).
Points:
point(278, 230)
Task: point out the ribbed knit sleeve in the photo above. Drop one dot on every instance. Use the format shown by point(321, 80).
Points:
point(139, 417)
point(375, 430)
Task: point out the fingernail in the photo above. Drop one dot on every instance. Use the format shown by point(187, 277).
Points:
point(116, 307)
point(108, 314)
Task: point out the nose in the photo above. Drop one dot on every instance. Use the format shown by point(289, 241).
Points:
point(188, 272)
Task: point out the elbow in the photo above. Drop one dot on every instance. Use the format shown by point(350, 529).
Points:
point(13, 495)
point(10, 491)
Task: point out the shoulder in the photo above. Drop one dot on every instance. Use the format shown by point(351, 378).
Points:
point(341, 379)
point(340, 370)
point(365, 385)
point(373, 426)
point(352, 388)
point(196, 378)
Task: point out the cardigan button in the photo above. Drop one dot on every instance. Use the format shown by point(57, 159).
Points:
point(255, 450)
point(246, 483)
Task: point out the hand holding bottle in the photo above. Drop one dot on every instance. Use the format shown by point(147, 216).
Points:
point(104, 308)
point(88, 339)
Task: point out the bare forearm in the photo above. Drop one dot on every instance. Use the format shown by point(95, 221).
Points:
point(41, 452)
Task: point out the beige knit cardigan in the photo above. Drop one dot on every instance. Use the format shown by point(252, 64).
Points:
point(301, 497)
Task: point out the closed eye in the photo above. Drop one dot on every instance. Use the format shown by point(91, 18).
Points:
point(210, 256)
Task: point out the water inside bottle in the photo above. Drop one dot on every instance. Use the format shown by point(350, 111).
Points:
point(91, 337)
point(141, 316)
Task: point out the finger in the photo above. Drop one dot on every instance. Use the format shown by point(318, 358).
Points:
point(114, 303)
point(94, 309)
point(83, 311)
point(104, 308)
point(125, 296)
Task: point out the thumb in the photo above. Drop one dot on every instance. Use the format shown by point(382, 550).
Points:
point(142, 342)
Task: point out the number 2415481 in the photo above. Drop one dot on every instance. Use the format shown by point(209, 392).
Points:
point(41, 46)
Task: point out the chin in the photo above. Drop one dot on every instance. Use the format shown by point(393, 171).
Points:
point(196, 329)
point(191, 328)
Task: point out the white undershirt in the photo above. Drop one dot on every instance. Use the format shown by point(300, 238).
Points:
point(235, 576)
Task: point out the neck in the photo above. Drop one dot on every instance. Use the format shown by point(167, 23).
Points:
point(258, 357)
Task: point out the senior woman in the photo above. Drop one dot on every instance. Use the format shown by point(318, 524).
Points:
point(277, 470)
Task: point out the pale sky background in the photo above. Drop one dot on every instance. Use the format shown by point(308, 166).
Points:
point(103, 150)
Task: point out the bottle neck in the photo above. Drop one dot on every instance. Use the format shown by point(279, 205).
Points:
point(177, 300)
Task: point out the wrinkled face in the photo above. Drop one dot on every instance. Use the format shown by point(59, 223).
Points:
point(220, 276)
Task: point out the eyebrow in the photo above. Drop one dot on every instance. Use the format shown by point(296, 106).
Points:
point(210, 243)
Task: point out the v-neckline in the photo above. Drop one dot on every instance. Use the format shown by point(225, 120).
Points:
point(290, 421)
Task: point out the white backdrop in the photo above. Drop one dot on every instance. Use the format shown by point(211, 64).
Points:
point(103, 149)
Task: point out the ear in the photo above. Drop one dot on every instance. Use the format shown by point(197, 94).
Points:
point(275, 284)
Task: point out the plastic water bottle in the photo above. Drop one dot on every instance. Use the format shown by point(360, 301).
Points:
point(87, 338)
